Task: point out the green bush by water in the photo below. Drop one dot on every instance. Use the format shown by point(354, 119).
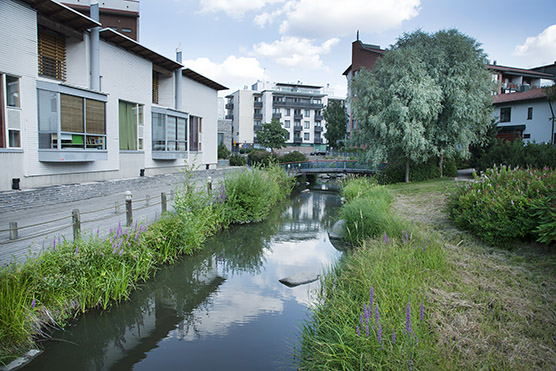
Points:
point(504, 205)
point(394, 172)
point(237, 160)
point(69, 277)
point(535, 155)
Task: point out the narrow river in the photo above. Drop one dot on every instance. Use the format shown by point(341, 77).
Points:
point(222, 309)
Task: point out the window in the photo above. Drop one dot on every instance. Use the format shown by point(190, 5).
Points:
point(71, 121)
point(169, 130)
point(307, 124)
point(530, 113)
point(220, 138)
point(52, 54)
point(297, 112)
point(9, 112)
point(288, 113)
point(155, 87)
point(131, 126)
point(276, 110)
point(126, 30)
point(297, 123)
point(318, 124)
point(287, 124)
point(195, 133)
point(306, 136)
point(307, 113)
point(505, 114)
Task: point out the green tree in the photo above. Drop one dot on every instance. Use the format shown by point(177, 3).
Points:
point(395, 108)
point(336, 121)
point(273, 135)
point(457, 65)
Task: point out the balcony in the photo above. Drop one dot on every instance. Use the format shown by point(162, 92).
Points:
point(319, 117)
point(258, 104)
point(297, 140)
point(258, 127)
point(318, 129)
point(255, 140)
point(318, 141)
point(229, 106)
point(277, 116)
point(297, 128)
point(229, 117)
point(298, 117)
point(258, 116)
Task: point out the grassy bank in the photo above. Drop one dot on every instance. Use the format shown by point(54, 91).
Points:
point(453, 301)
point(71, 278)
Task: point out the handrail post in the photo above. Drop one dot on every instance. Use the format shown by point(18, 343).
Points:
point(13, 230)
point(128, 208)
point(76, 222)
point(163, 202)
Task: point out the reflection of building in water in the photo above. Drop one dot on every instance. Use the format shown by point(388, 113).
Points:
point(306, 215)
point(160, 314)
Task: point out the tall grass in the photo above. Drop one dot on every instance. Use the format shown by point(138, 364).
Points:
point(72, 277)
point(373, 311)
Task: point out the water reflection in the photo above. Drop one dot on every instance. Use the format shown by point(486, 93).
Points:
point(222, 308)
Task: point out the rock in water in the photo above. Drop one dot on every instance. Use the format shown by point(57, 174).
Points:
point(337, 231)
point(299, 279)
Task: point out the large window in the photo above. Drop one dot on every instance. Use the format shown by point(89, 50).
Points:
point(169, 130)
point(306, 124)
point(287, 124)
point(195, 133)
point(10, 112)
point(306, 136)
point(505, 114)
point(131, 126)
point(71, 119)
point(52, 54)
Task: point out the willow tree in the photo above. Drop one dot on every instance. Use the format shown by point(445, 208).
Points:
point(457, 65)
point(395, 108)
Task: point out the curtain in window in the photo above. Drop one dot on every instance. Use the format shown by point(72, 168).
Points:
point(128, 136)
point(193, 134)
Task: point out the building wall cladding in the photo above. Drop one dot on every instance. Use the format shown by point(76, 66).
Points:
point(225, 128)
point(538, 128)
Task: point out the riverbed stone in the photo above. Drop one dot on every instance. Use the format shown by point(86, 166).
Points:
point(299, 279)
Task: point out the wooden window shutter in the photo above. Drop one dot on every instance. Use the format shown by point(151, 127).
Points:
point(155, 87)
point(52, 55)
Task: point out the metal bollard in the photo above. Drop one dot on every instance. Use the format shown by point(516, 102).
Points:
point(209, 185)
point(13, 230)
point(128, 208)
point(163, 202)
point(76, 222)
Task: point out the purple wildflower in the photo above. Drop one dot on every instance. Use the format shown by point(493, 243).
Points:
point(379, 334)
point(394, 337)
point(386, 239)
point(367, 328)
point(33, 304)
point(76, 250)
point(98, 231)
point(377, 316)
point(54, 244)
point(357, 330)
point(411, 364)
point(361, 319)
point(422, 313)
point(121, 251)
point(408, 327)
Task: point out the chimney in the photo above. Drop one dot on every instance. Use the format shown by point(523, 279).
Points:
point(177, 73)
point(95, 50)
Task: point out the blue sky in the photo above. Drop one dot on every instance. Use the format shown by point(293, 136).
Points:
point(237, 42)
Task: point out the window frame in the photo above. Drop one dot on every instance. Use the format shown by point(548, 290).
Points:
point(505, 114)
point(138, 112)
point(11, 136)
point(306, 137)
point(529, 113)
point(167, 152)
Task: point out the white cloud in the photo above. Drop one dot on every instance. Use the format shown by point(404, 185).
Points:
point(539, 49)
point(234, 72)
point(295, 52)
point(326, 18)
point(234, 8)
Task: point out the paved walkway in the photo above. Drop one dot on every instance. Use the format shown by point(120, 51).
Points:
point(96, 203)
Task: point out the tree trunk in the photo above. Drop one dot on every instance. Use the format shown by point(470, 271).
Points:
point(407, 170)
point(440, 164)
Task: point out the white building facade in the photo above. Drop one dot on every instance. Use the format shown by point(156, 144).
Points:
point(58, 127)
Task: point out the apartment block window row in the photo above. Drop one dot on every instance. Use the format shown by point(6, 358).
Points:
point(10, 112)
point(131, 125)
point(71, 118)
point(169, 130)
point(52, 54)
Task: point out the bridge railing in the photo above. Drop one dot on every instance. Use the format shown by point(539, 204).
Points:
point(336, 165)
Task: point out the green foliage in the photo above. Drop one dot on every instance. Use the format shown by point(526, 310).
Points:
point(261, 158)
point(394, 172)
point(223, 151)
point(237, 160)
point(273, 135)
point(336, 122)
point(394, 272)
point(294, 156)
point(245, 150)
point(504, 205)
point(536, 155)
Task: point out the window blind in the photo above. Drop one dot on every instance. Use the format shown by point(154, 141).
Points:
point(52, 55)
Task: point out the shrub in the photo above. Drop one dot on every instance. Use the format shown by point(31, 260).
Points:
point(260, 157)
point(246, 150)
point(237, 160)
point(294, 156)
point(223, 151)
point(394, 172)
point(505, 204)
point(536, 155)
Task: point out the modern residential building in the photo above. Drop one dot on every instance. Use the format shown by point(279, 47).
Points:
point(519, 104)
point(119, 15)
point(80, 103)
point(298, 107)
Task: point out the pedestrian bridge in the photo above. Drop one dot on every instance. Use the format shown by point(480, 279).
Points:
point(332, 166)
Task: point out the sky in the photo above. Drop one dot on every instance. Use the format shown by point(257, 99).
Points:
point(237, 42)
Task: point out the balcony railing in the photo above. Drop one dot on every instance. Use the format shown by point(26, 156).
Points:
point(297, 128)
point(298, 116)
point(258, 104)
point(229, 106)
point(258, 127)
point(319, 117)
point(297, 140)
point(277, 116)
point(258, 116)
point(318, 140)
point(229, 117)
point(318, 129)
point(297, 104)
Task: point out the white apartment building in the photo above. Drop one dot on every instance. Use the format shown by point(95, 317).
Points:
point(79, 103)
point(298, 107)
